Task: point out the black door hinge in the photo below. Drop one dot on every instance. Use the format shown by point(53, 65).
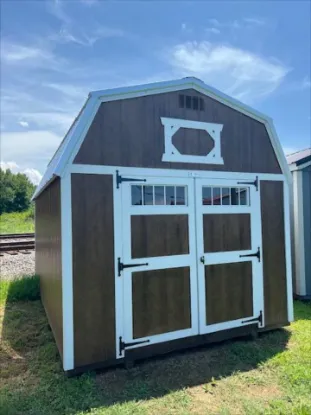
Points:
point(257, 254)
point(121, 266)
point(254, 183)
point(259, 319)
point(121, 179)
point(123, 345)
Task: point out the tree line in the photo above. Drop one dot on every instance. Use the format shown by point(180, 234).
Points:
point(16, 191)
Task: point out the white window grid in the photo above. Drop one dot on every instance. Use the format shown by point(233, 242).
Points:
point(220, 189)
point(153, 194)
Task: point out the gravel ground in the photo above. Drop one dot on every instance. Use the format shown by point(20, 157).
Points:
point(15, 266)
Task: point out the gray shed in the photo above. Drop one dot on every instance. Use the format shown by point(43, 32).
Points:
point(300, 166)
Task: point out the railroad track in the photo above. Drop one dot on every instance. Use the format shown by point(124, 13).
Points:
point(17, 243)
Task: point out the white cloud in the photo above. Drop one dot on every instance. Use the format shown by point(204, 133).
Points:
point(213, 30)
point(254, 21)
point(246, 23)
point(29, 149)
point(23, 124)
point(8, 165)
point(15, 53)
point(34, 175)
point(54, 120)
point(238, 72)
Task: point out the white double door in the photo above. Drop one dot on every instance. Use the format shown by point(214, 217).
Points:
point(191, 258)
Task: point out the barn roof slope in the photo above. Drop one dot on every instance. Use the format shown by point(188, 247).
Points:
point(79, 128)
point(299, 157)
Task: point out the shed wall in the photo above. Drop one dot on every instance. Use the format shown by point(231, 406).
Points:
point(129, 133)
point(48, 256)
point(274, 259)
point(93, 268)
point(306, 191)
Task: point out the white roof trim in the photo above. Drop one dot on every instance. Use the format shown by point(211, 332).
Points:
point(75, 136)
point(295, 167)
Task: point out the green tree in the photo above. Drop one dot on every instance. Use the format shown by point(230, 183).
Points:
point(15, 191)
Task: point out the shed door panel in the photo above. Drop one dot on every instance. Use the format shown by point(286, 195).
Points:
point(228, 292)
point(161, 301)
point(229, 245)
point(159, 262)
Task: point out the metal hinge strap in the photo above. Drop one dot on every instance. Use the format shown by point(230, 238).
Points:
point(121, 266)
point(254, 183)
point(256, 254)
point(121, 179)
point(123, 345)
point(259, 319)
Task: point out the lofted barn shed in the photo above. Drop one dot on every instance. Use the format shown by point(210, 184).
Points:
point(162, 222)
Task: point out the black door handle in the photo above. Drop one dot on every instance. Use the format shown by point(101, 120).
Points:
point(202, 259)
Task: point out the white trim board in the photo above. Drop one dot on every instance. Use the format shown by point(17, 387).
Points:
point(144, 171)
point(74, 138)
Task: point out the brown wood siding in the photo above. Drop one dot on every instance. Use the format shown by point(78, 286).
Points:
point(161, 301)
point(273, 243)
point(226, 232)
point(48, 256)
point(129, 133)
point(93, 268)
point(228, 291)
point(159, 235)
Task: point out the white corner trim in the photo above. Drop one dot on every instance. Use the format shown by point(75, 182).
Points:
point(299, 233)
point(288, 251)
point(67, 287)
point(171, 153)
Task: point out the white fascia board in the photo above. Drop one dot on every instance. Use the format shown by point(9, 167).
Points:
point(278, 151)
point(294, 167)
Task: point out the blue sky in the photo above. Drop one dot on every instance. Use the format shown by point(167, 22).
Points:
point(54, 52)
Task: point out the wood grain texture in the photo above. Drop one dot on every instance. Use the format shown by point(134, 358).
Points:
point(273, 243)
point(129, 133)
point(226, 232)
point(161, 301)
point(48, 256)
point(159, 235)
point(228, 291)
point(93, 268)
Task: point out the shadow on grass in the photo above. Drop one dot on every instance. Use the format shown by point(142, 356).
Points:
point(32, 380)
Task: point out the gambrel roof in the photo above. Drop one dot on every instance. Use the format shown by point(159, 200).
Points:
point(75, 136)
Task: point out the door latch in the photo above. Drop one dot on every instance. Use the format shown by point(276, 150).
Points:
point(202, 259)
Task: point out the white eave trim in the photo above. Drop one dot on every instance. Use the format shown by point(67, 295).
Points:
point(295, 167)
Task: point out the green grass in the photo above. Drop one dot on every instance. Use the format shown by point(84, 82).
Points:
point(21, 289)
point(271, 375)
point(17, 222)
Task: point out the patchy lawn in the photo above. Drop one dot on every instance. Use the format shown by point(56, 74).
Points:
point(271, 375)
point(17, 222)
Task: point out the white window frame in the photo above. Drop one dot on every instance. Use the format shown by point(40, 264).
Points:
point(171, 153)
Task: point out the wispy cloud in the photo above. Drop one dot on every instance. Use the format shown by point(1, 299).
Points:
point(29, 148)
point(33, 174)
point(245, 23)
point(15, 53)
point(238, 72)
point(23, 124)
point(212, 30)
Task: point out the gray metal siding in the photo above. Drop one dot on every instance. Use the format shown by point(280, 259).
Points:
point(307, 225)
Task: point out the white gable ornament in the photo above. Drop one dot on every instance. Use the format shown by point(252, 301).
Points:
point(172, 125)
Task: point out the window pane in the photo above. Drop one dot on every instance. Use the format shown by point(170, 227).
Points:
point(148, 195)
point(170, 195)
point(180, 195)
point(244, 196)
point(206, 196)
point(225, 196)
point(159, 195)
point(234, 196)
point(136, 195)
point(216, 196)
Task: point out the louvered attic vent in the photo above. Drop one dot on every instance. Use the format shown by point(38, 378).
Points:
point(189, 102)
